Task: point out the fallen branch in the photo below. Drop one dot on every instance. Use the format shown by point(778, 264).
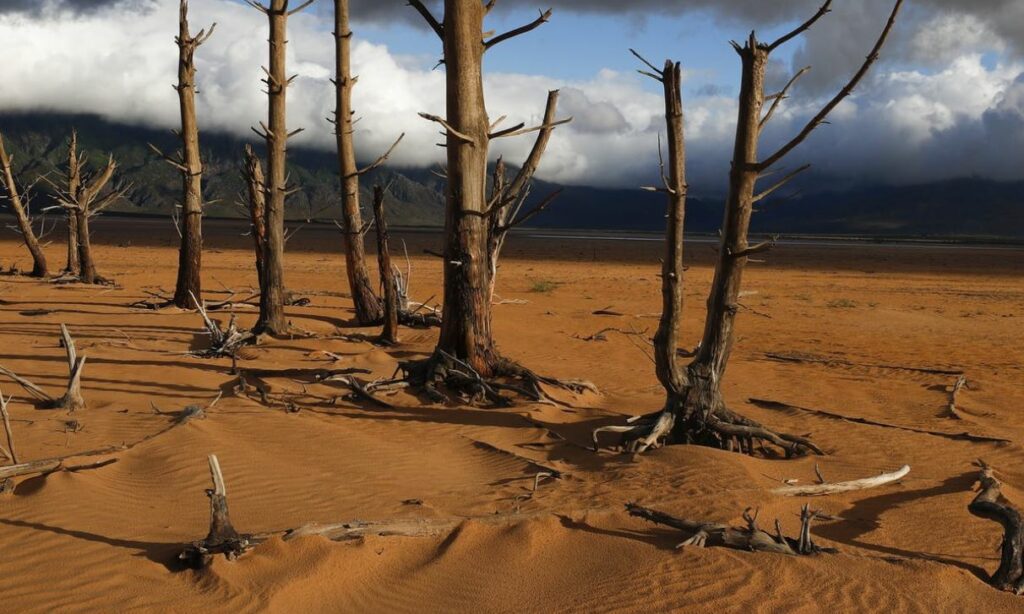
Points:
point(767, 404)
point(826, 488)
point(991, 505)
point(748, 538)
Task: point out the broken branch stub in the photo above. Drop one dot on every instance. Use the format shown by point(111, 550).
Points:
point(222, 538)
point(991, 505)
point(827, 488)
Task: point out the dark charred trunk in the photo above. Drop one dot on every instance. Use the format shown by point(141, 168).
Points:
point(389, 333)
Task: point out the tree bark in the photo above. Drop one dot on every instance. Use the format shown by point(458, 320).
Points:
point(666, 339)
point(190, 254)
point(74, 181)
point(252, 171)
point(708, 367)
point(367, 305)
point(39, 268)
point(86, 264)
point(466, 315)
point(272, 294)
point(389, 334)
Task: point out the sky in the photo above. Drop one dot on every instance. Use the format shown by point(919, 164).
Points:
point(946, 100)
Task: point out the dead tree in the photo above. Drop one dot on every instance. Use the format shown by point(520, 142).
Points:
point(389, 333)
point(72, 399)
point(991, 505)
point(367, 305)
point(466, 357)
point(507, 199)
point(222, 537)
point(695, 411)
point(256, 199)
point(189, 162)
point(84, 197)
point(275, 132)
point(21, 213)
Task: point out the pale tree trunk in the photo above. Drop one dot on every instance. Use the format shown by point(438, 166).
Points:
point(28, 234)
point(389, 333)
point(85, 208)
point(252, 171)
point(188, 288)
point(367, 305)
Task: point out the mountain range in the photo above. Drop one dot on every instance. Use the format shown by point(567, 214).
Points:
point(966, 208)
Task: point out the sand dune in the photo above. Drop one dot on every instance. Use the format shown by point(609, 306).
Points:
point(107, 539)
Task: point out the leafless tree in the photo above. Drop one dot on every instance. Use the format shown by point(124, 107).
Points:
point(466, 356)
point(695, 410)
point(21, 214)
point(85, 196)
point(367, 305)
point(189, 162)
point(275, 133)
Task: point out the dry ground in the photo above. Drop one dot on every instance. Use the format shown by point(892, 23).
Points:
point(106, 539)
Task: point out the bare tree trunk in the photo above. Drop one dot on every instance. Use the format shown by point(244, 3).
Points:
point(190, 254)
point(74, 179)
point(666, 339)
point(272, 293)
point(87, 266)
point(708, 367)
point(28, 234)
point(253, 174)
point(466, 315)
point(367, 305)
point(389, 334)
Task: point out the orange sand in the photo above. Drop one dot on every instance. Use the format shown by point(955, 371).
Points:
point(106, 539)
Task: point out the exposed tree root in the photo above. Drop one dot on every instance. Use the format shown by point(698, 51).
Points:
point(222, 538)
point(750, 537)
point(458, 377)
point(952, 411)
point(720, 427)
point(768, 404)
point(991, 505)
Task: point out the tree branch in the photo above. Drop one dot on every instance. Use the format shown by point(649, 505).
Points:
point(825, 9)
point(843, 93)
point(533, 25)
point(427, 15)
point(449, 128)
point(778, 98)
point(780, 183)
point(379, 161)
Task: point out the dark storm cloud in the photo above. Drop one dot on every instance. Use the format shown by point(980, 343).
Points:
point(37, 7)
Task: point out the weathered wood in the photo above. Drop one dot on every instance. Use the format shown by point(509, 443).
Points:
point(14, 198)
point(367, 305)
point(991, 505)
point(11, 451)
point(72, 400)
point(223, 343)
point(951, 409)
point(748, 538)
point(389, 332)
point(256, 205)
point(826, 488)
point(190, 253)
point(222, 537)
point(272, 291)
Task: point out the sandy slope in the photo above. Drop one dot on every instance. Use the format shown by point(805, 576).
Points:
point(106, 539)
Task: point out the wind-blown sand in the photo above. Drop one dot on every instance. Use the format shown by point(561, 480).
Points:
point(107, 539)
